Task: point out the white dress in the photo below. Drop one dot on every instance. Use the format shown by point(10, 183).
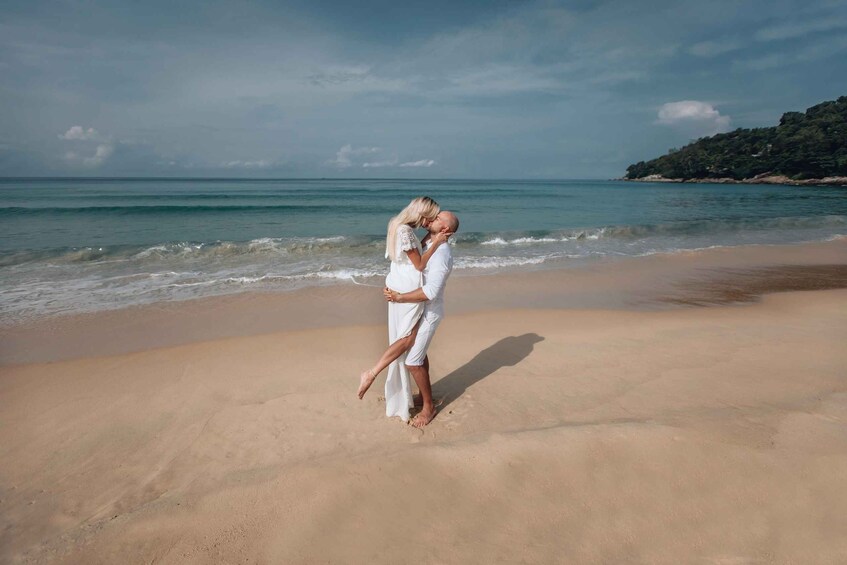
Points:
point(402, 318)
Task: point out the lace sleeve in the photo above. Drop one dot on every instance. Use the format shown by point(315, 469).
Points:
point(406, 238)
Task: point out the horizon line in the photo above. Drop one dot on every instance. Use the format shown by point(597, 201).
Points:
point(542, 179)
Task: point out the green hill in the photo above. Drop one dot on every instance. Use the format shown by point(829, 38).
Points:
point(805, 145)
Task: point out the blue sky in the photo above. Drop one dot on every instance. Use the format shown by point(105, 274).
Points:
point(438, 89)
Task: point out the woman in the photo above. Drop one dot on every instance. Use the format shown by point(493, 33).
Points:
point(408, 261)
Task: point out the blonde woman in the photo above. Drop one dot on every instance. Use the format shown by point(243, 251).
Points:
point(408, 260)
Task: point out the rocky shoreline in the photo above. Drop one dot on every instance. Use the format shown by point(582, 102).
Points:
point(759, 179)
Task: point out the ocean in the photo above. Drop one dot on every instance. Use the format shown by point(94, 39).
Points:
point(83, 245)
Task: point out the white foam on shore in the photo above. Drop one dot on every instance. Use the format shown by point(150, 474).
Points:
point(496, 262)
point(94, 279)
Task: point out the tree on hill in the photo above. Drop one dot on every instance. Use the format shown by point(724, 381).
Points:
point(810, 144)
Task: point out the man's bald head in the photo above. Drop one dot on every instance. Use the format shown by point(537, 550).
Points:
point(450, 220)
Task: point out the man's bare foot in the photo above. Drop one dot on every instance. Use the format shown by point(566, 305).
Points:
point(366, 379)
point(423, 417)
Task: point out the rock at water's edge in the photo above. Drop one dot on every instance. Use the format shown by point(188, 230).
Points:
point(766, 178)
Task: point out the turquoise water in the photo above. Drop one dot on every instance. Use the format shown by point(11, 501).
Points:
point(73, 245)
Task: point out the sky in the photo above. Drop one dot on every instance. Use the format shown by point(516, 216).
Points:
point(438, 89)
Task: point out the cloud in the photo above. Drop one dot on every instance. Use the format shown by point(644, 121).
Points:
point(335, 75)
point(102, 153)
point(531, 51)
point(798, 29)
point(810, 53)
point(347, 154)
point(79, 133)
point(421, 163)
point(394, 163)
point(499, 80)
point(714, 48)
point(260, 164)
point(687, 110)
point(83, 138)
point(694, 117)
point(378, 164)
point(352, 80)
point(100, 156)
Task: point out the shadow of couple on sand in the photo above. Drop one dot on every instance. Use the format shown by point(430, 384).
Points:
point(507, 352)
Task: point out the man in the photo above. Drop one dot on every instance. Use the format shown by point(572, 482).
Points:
point(437, 271)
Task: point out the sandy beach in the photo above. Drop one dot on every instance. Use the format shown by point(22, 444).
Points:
point(686, 408)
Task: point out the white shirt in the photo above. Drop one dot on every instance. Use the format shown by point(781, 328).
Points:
point(438, 268)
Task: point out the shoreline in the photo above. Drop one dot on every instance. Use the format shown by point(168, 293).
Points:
point(760, 179)
point(721, 275)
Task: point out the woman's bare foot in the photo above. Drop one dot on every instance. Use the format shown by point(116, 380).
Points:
point(423, 417)
point(366, 379)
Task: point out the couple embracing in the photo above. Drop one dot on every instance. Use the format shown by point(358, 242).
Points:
point(414, 290)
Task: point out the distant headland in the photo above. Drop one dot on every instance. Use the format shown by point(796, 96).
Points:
point(806, 148)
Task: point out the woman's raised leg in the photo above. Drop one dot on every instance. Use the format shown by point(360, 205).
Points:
point(394, 351)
